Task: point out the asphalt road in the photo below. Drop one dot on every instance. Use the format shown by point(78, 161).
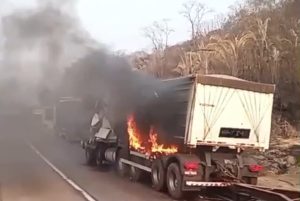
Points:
point(25, 175)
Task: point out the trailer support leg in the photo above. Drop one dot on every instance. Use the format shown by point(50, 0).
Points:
point(207, 170)
point(240, 165)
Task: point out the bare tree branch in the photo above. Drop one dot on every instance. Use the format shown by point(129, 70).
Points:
point(194, 11)
point(158, 33)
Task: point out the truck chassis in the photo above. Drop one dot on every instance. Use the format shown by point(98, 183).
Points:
point(181, 174)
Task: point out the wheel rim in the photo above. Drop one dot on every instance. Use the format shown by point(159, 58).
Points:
point(173, 181)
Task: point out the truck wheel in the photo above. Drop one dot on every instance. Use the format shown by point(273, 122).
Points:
point(100, 157)
point(174, 181)
point(158, 176)
point(135, 174)
point(90, 157)
point(250, 180)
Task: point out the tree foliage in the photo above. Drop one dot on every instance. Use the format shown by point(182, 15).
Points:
point(259, 41)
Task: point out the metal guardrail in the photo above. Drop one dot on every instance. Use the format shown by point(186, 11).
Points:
point(246, 192)
point(267, 194)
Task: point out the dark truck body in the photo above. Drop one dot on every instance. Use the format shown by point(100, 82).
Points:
point(71, 118)
point(195, 166)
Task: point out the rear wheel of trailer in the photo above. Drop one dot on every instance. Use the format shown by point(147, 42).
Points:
point(174, 181)
point(158, 176)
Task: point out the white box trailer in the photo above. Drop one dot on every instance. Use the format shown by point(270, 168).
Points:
point(227, 111)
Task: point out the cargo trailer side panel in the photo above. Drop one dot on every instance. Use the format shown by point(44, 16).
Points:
point(169, 111)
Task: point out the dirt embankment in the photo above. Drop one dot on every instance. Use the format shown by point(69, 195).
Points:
point(282, 161)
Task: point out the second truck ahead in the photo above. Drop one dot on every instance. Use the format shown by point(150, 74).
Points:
point(214, 120)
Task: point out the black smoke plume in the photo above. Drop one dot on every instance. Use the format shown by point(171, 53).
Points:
point(123, 92)
point(38, 43)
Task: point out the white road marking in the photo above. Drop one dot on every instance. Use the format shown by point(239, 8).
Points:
point(62, 175)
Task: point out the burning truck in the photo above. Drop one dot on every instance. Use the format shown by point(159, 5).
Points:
point(193, 134)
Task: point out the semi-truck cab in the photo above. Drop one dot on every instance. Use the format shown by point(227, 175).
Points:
point(199, 142)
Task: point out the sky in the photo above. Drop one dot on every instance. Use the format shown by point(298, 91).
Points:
point(119, 23)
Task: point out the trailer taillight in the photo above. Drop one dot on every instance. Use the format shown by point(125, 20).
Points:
point(255, 168)
point(191, 166)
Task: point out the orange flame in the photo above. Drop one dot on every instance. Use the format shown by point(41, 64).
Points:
point(134, 137)
point(160, 147)
point(135, 141)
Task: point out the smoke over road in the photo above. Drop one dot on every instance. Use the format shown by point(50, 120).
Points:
point(46, 54)
point(41, 42)
point(38, 43)
point(105, 76)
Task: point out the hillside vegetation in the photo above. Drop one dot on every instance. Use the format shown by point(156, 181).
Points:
point(258, 41)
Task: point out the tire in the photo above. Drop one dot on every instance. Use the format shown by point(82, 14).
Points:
point(90, 157)
point(135, 174)
point(174, 181)
point(250, 180)
point(100, 158)
point(158, 176)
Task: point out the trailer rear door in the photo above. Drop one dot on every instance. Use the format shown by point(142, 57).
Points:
point(228, 111)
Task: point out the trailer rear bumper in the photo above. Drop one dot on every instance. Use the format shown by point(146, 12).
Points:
point(205, 184)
